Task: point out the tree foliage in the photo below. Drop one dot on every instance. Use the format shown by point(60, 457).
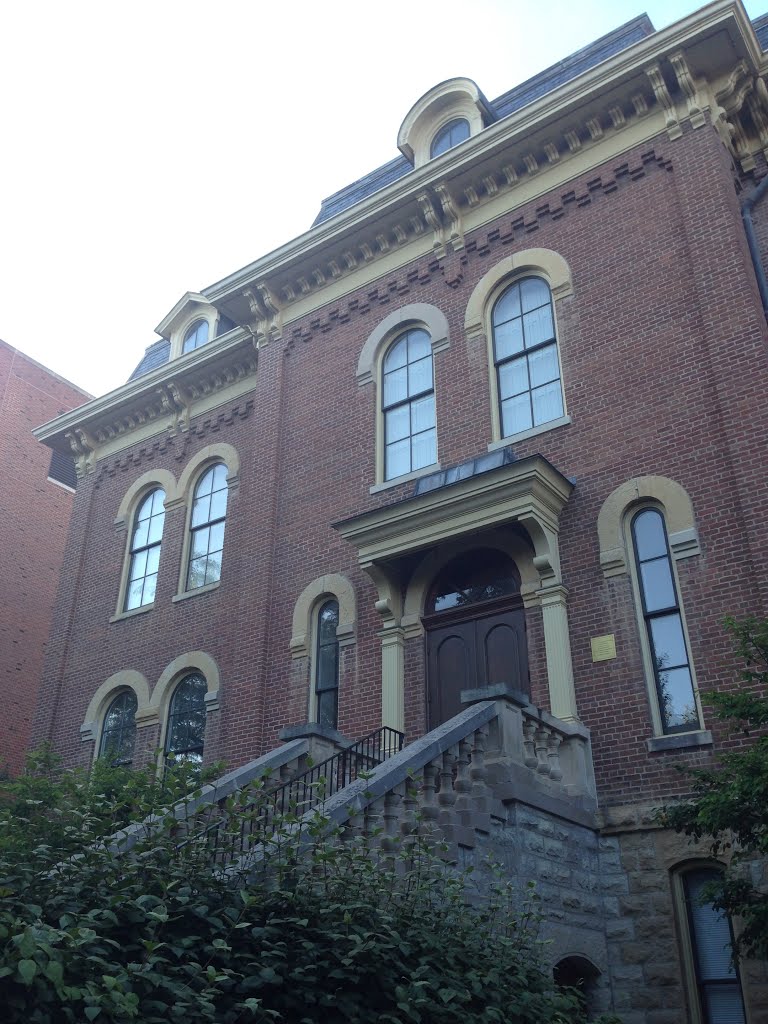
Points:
point(730, 801)
point(316, 929)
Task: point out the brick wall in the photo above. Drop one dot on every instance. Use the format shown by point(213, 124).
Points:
point(663, 353)
point(33, 530)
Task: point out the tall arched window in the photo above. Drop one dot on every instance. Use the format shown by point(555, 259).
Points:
point(197, 335)
point(327, 664)
point(661, 612)
point(526, 358)
point(714, 980)
point(207, 522)
point(144, 552)
point(408, 405)
point(118, 733)
point(450, 135)
point(185, 731)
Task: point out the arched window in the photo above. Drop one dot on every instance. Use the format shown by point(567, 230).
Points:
point(197, 335)
point(408, 405)
point(207, 521)
point(526, 358)
point(475, 576)
point(118, 733)
point(450, 135)
point(145, 551)
point(661, 613)
point(714, 980)
point(326, 668)
point(185, 731)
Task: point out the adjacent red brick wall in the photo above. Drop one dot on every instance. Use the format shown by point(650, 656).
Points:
point(33, 531)
point(663, 346)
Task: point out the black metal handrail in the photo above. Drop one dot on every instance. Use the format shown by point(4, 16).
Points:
point(301, 793)
point(316, 784)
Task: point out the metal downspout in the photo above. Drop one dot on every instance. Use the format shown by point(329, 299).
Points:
point(746, 214)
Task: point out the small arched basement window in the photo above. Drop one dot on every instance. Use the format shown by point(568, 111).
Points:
point(118, 733)
point(185, 731)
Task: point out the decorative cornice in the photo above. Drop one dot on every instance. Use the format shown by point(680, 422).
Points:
point(164, 400)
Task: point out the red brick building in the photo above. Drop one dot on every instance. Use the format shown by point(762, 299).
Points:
point(38, 493)
point(495, 424)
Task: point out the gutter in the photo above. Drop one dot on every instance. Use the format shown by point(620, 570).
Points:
point(754, 250)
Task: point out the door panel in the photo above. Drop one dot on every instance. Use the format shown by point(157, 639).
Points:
point(451, 668)
point(476, 652)
point(502, 650)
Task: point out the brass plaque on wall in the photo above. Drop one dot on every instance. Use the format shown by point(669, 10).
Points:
point(603, 647)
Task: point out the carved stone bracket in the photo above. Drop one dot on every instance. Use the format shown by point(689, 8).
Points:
point(660, 91)
point(267, 324)
point(690, 89)
point(84, 450)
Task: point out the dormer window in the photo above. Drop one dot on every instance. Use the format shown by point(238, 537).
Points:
point(450, 135)
point(196, 335)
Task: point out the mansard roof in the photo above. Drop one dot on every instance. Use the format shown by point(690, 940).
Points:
point(509, 102)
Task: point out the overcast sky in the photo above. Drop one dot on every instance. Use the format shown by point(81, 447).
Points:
point(153, 148)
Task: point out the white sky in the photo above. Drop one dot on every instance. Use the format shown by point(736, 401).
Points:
point(152, 148)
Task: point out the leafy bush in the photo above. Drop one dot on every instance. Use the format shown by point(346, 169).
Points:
point(730, 802)
point(317, 929)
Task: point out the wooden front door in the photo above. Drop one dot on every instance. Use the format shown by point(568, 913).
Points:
point(477, 647)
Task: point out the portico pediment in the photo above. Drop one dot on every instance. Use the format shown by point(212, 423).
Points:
point(530, 492)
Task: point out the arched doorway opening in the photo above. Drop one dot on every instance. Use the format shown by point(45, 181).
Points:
point(475, 630)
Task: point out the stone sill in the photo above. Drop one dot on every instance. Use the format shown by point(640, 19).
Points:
point(397, 480)
point(198, 590)
point(134, 611)
point(522, 435)
point(680, 741)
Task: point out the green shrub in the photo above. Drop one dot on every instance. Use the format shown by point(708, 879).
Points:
point(318, 929)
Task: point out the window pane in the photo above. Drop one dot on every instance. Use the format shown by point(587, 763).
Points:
point(200, 510)
point(204, 484)
point(419, 346)
point(538, 326)
point(508, 306)
point(213, 568)
point(139, 565)
point(218, 504)
point(420, 376)
point(513, 378)
point(424, 449)
point(133, 599)
point(534, 292)
point(216, 537)
point(140, 534)
point(395, 386)
point(397, 423)
point(422, 414)
point(156, 529)
point(542, 365)
point(326, 708)
point(150, 582)
point(153, 559)
point(196, 573)
point(398, 459)
point(649, 535)
point(508, 339)
point(516, 414)
point(658, 590)
point(397, 355)
point(200, 542)
point(547, 403)
point(219, 482)
point(328, 621)
point(327, 677)
point(724, 1004)
point(668, 641)
point(678, 708)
